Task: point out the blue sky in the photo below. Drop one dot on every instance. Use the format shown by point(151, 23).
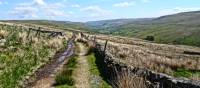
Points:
point(90, 10)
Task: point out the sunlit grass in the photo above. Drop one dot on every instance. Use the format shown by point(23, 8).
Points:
point(64, 78)
point(20, 55)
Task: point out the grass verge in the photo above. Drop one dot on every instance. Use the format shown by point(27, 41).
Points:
point(96, 80)
point(64, 79)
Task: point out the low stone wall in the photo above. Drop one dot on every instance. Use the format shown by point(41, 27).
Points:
point(161, 80)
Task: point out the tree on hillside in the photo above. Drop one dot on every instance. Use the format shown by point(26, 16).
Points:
point(150, 38)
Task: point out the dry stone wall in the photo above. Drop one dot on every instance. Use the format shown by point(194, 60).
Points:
point(159, 79)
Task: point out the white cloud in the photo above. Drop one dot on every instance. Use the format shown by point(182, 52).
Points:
point(36, 7)
point(177, 10)
point(96, 11)
point(75, 6)
point(39, 2)
point(54, 14)
point(28, 12)
point(124, 4)
point(71, 12)
point(145, 1)
point(3, 2)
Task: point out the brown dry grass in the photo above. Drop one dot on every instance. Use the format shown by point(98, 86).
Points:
point(3, 34)
point(55, 43)
point(125, 79)
point(157, 57)
point(23, 37)
point(24, 55)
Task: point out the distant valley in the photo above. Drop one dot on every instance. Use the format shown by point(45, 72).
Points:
point(182, 28)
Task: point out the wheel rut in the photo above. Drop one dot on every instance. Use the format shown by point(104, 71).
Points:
point(45, 76)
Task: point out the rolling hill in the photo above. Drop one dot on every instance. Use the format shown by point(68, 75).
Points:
point(64, 25)
point(181, 28)
point(32, 47)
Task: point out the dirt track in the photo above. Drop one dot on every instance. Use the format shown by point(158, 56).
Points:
point(45, 76)
point(82, 72)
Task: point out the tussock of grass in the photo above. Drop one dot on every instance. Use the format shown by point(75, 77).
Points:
point(3, 34)
point(65, 77)
point(125, 79)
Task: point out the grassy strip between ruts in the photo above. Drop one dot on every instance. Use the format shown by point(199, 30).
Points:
point(96, 80)
point(64, 79)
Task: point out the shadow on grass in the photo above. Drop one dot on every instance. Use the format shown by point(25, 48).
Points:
point(102, 67)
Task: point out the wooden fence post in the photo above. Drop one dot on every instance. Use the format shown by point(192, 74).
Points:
point(105, 47)
point(29, 30)
point(39, 34)
point(36, 33)
point(94, 38)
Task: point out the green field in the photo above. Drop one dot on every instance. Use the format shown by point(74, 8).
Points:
point(182, 28)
